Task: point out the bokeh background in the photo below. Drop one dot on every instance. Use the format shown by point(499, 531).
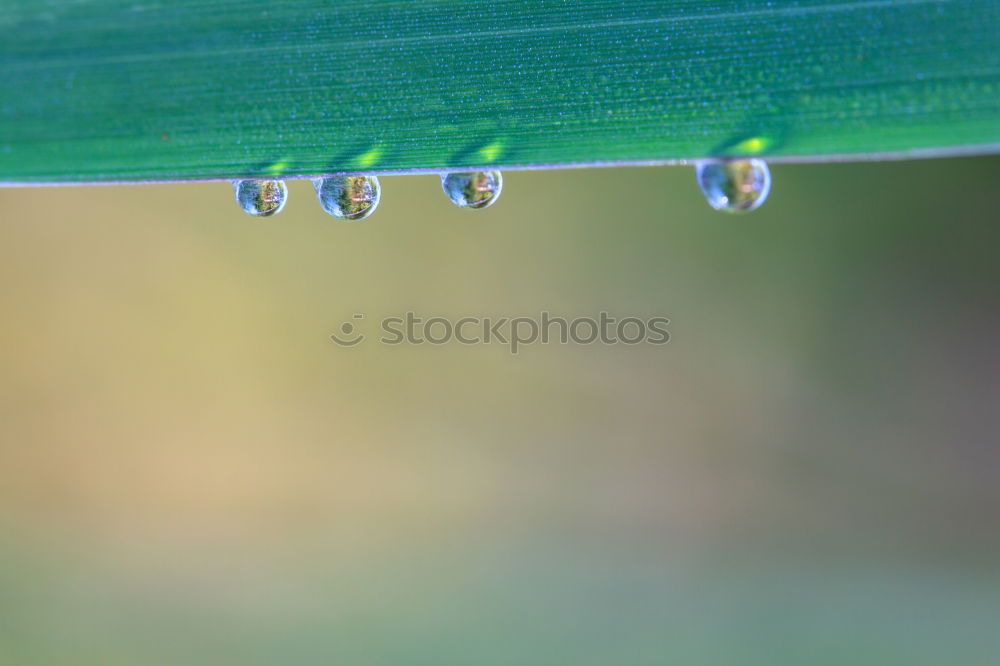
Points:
point(808, 473)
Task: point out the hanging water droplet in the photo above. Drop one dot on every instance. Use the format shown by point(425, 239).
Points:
point(476, 189)
point(260, 197)
point(348, 197)
point(734, 186)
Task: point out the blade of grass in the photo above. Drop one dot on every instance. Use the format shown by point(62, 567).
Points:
point(132, 90)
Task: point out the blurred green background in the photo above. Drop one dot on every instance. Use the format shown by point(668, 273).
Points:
point(192, 473)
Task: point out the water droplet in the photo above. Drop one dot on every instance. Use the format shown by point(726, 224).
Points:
point(348, 197)
point(476, 189)
point(734, 186)
point(261, 197)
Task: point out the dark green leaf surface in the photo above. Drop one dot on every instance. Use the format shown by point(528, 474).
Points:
point(132, 90)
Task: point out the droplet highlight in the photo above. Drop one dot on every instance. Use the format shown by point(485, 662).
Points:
point(348, 197)
point(475, 189)
point(734, 186)
point(262, 198)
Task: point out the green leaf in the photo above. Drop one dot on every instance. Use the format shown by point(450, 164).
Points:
point(134, 90)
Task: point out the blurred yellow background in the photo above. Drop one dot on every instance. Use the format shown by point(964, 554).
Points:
point(192, 472)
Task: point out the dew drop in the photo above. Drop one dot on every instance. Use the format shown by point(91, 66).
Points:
point(476, 189)
point(348, 197)
point(261, 197)
point(734, 186)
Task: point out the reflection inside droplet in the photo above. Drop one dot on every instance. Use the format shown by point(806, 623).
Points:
point(262, 198)
point(476, 189)
point(734, 186)
point(348, 197)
